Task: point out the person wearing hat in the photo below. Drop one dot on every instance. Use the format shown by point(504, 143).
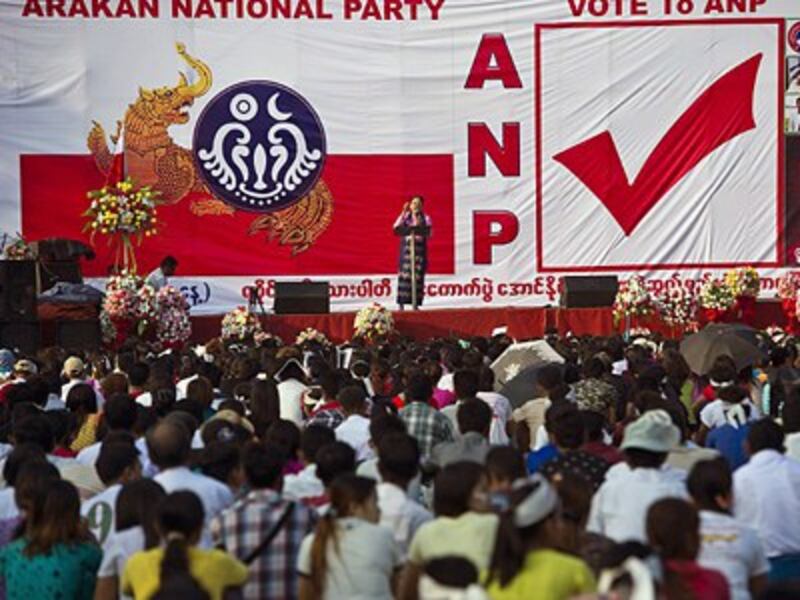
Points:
point(619, 508)
point(74, 372)
point(525, 563)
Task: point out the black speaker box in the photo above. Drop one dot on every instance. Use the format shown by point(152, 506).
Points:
point(24, 336)
point(78, 335)
point(302, 298)
point(17, 290)
point(589, 292)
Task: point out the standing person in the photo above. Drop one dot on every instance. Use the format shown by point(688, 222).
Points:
point(525, 563)
point(180, 523)
point(264, 529)
point(159, 278)
point(56, 557)
point(412, 216)
point(350, 555)
point(766, 491)
point(728, 546)
point(673, 531)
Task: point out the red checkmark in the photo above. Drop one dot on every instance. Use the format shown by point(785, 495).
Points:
point(722, 112)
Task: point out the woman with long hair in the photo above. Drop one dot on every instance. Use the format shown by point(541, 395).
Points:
point(180, 524)
point(525, 563)
point(349, 555)
point(412, 216)
point(82, 402)
point(135, 529)
point(264, 405)
point(56, 556)
point(673, 531)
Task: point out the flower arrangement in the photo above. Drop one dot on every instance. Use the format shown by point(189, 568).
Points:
point(173, 327)
point(788, 284)
point(18, 249)
point(715, 294)
point(373, 322)
point(743, 281)
point(263, 338)
point(632, 300)
point(122, 211)
point(311, 336)
point(240, 325)
point(677, 306)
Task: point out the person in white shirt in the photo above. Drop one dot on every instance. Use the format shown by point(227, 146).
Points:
point(500, 405)
point(169, 444)
point(726, 545)
point(119, 416)
point(159, 278)
point(619, 508)
point(74, 372)
point(291, 391)
point(767, 493)
point(362, 558)
point(727, 408)
point(354, 430)
point(398, 465)
point(305, 484)
point(117, 465)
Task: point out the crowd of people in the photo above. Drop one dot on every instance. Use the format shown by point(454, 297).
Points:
point(274, 472)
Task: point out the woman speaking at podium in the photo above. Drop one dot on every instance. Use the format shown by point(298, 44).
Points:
point(413, 227)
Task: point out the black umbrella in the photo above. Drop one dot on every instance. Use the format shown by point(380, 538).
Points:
point(741, 343)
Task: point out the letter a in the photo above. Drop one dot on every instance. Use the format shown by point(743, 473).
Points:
point(493, 47)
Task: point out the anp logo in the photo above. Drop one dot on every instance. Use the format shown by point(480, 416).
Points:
point(259, 146)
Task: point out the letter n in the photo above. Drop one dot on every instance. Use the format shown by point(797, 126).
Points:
point(481, 142)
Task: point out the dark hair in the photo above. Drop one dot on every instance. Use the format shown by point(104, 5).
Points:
point(644, 459)
point(182, 586)
point(264, 403)
point(114, 458)
point(452, 571)
point(82, 399)
point(453, 488)
point(383, 424)
point(398, 458)
point(673, 531)
point(169, 262)
point(222, 430)
point(114, 383)
point(31, 485)
point(313, 438)
point(465, 384)
point(63, 424)
point(575, 493)
point(168, 444)
point(263, 465)
point(137, 505)
point(18, 458)
point(119, 412)
point(419, 388)
point(346, 492)
point(512, 543)
point(286, 435)
point(765, 434)
point(791, 413)
point(329, 383)
point(566, 427)
point(333, 460)
point(59, 522)
point(34, 430)
point(550, 377)
point(708, 480)
point(353, 399)
point(201, 391)
point(593, 425)
point(474, 416)
point(138, 374)
point(219, 460)
point(505, 463)
point(180, 517)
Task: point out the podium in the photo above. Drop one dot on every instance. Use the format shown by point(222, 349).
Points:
point(411, 231)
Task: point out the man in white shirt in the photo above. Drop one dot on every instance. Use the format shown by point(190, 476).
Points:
point(169, 444)
point(619, 508)
point(767, 496)
point(159, 277)
point(306, 484)
point(398, 465)
point(355, 428)
point(117, 464)
point(727, 545)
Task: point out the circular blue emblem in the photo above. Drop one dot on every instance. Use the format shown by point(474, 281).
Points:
point(259, 146)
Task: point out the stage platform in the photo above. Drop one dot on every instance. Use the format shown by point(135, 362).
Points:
point(522, 323)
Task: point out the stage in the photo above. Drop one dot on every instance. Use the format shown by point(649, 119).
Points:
point(522, 323)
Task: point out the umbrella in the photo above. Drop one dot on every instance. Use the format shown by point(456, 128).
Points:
point(522, 387)
point(519, 356)
point(703, 348)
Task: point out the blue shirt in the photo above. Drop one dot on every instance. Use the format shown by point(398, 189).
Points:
point(729, 442)
point(538, 457)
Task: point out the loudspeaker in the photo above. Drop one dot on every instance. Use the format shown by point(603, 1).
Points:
point(302, 298)
point(51, 273)
point(78, 335)
point(24, 336)
point(17, 290)
point(589, 292)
